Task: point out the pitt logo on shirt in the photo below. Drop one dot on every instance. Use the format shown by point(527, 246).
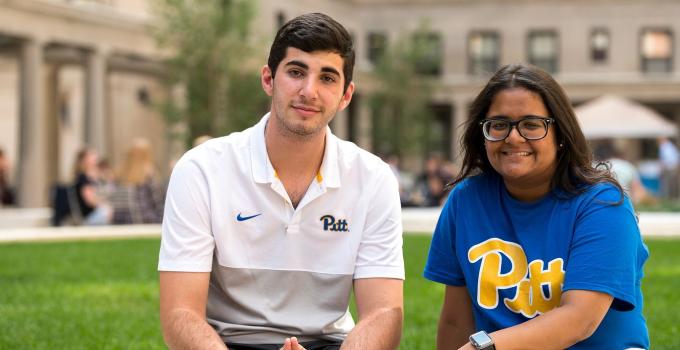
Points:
point(330, 224)
point(528, 279)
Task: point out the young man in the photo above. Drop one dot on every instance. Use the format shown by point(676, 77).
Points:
point(267, 231)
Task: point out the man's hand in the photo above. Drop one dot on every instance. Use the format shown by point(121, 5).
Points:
point(291, 344)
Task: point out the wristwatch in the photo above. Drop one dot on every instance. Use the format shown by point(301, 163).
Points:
point(482, 341)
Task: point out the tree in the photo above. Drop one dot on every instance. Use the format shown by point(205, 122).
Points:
point(400, 102)
point(211, 50)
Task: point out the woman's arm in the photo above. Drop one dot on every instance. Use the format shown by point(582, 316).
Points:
point(576, 319)
point(89, 194)
point(456, 322)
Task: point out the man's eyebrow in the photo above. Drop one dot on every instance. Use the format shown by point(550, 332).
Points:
point(330, 70)
point(298, 64)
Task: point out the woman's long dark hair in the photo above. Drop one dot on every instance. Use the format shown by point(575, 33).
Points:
point(574, 171)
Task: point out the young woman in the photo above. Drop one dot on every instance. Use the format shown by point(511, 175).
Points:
point(536, 247)
point(138, 196)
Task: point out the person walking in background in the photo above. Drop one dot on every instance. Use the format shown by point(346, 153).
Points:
point(93, 208)
point(138, 194)
point(267, 232)
point(669, 159)
point(538, 249)
point(6, 193)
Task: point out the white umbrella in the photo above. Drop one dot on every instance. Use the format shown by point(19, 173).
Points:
point(611, 116)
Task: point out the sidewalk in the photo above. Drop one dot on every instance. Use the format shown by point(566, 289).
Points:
point(652, 224)
point(415, 220)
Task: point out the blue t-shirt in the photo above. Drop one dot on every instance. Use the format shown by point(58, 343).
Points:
point(516, 258)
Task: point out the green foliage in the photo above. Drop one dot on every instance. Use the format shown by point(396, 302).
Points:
point(400, 102)
point(104, 295)
point(210, 42)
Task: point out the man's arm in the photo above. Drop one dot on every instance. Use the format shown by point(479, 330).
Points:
point(576, 319)
point(456, 322)
point(183, 297)
point(381, 312)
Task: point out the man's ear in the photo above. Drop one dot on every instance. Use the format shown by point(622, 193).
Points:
point(346, 97)
point(267, 80)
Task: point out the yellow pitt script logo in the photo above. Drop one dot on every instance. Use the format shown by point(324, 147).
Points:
point(527, 278)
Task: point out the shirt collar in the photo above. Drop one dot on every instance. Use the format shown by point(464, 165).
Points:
point(263, 170)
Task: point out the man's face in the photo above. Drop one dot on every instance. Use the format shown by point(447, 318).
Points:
point(307, 91)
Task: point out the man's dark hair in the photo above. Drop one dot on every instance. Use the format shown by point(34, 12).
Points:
point(313, 32)
point(574, 171)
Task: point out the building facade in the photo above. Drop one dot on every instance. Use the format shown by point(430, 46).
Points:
point(75, 73)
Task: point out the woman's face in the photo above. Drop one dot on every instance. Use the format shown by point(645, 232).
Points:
point(90, 161)
point(522, 163)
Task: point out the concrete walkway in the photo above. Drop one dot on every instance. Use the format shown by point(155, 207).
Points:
point(652, 224)
point(415, 220)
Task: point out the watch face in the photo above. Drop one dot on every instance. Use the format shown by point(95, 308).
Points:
point(481, 340)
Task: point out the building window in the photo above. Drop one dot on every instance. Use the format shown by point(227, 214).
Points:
point(656, 49)
point(428, 50)
point(377, 44)
point(543, 50)
point(483, 53)
point(599, 45)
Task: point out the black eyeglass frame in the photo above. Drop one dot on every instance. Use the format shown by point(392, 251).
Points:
point(514, 124)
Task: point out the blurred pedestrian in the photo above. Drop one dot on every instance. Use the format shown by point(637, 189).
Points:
point(430, 185)
point(669, 159)
point(624, 171)
point(200, 139)
point(138, 196)
point(93, 208)
point(106, 178)
point(6, 193)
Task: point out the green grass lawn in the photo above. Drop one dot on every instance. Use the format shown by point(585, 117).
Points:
point(104, 294)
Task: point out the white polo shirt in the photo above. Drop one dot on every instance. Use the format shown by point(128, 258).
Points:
point(279, 271)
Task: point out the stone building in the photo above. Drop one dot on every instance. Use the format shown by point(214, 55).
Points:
point(84, 72)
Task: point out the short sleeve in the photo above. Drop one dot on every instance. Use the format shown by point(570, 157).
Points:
point(380, 251)
point(606, 253)
point(442, 262)
point(187, 242)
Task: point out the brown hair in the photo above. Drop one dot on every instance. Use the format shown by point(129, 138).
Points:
point(312, 32)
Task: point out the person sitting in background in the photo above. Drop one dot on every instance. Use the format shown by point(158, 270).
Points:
point(624, 171)
point(669, 158)
point(430, 185)
point(106, 180)
point(137, 197)
point(200, 139)
point(6, 194)
point(93, 208)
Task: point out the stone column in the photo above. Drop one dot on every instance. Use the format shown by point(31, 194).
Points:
point(95, 83)
point(33, 180)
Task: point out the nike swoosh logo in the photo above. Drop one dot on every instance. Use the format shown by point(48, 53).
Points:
point(244, 218)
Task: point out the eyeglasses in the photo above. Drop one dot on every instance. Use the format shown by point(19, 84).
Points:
point(531, 128)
